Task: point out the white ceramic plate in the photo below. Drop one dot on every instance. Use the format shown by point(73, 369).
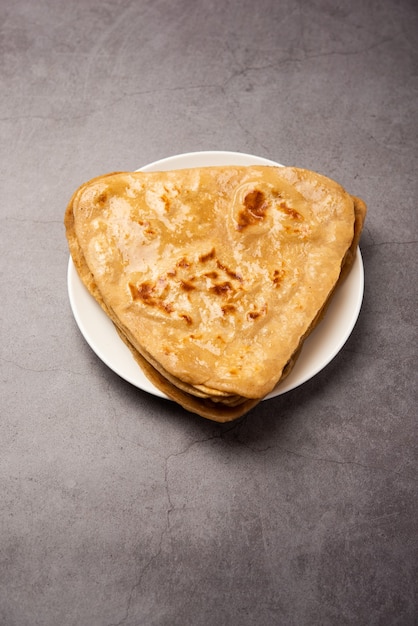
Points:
point(318, 350)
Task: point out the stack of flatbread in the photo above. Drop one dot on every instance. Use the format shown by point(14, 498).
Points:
point(214, 276)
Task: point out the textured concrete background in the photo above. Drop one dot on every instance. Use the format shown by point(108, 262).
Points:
point(118, 508)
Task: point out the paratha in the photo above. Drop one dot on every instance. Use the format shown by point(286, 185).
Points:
point(214, 276)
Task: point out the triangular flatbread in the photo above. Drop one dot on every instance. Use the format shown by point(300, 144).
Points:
point(214, 276)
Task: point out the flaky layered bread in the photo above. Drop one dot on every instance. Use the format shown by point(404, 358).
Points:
point(214, 276)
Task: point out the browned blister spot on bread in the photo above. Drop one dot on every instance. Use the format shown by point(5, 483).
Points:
point(254, 211)
point(149, 295)
point(290, 211)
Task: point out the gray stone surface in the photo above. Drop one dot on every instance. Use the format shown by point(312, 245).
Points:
point(119, 508)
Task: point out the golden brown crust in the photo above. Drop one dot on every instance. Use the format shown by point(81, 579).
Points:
point(202, 270)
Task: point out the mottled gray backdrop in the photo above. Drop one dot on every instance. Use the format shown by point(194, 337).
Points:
point(119, 508)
